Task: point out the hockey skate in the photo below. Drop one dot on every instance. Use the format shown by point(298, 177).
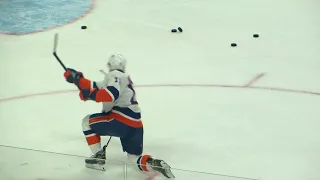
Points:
point(161, 167)
point(97, 160)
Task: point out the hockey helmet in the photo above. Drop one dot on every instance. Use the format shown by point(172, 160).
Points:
point(117, 62)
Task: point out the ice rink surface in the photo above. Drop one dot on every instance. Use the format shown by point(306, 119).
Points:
point(249, 111)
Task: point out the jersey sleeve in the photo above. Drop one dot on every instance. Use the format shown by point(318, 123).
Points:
point(110, 92)
point(87, 84)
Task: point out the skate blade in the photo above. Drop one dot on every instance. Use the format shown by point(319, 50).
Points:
point(166, 167)
point(95, 167)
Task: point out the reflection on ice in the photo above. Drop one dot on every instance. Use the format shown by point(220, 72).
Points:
point(25, 164)
point(16, 164)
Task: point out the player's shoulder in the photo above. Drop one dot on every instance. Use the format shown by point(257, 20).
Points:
point(117, 74)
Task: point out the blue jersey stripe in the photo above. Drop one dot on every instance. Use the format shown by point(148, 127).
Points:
point(128, 112)
point(114, 92)
point(94, 84)
point(88, 132)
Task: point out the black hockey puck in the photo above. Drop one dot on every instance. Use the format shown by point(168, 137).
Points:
point(233, 44)
point(180, 29)
point(173, 30)
point(256, 35)
point(83, 27)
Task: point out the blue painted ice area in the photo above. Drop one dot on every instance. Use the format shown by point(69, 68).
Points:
point(27, 16)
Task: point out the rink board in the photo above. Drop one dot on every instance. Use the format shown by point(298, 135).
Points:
point(23, 164)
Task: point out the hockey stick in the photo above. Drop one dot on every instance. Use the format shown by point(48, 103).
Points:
point(55, 45)
point(105, 146)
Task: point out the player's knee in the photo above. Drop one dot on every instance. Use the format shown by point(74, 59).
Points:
point(141, 161)
point(85, 123)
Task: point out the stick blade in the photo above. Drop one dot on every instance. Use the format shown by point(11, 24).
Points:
point(55, 43)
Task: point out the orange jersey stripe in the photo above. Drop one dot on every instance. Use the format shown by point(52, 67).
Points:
point(100, 119)
point(125, 120)
point(116, 116)
point(103, 96)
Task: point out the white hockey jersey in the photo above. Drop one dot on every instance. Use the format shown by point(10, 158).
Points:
point(117, 94)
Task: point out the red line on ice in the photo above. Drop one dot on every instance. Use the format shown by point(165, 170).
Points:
point(254, 80)
point(172, 85)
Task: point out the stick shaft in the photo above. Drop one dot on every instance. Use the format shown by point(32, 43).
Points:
point(105, 146)
point(58, 59)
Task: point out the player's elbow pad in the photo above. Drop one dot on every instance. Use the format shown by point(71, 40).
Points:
point(109, 94)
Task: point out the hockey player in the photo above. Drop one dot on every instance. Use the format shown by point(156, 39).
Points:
point(120, 116)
